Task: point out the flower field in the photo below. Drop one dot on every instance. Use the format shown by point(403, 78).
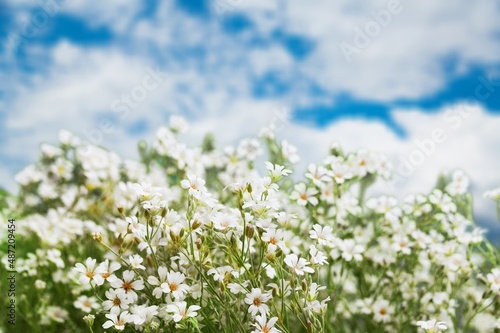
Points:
point(199, 239)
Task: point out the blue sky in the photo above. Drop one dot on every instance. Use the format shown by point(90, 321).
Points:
point(232, 63)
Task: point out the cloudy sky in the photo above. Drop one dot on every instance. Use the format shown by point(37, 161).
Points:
point(418, 80)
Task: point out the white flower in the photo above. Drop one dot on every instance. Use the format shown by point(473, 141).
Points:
point(256, 299)
point(174, 285)
point(274, 238)
point(90, 272)
point(323, 236)
point(382, 310)
point(304, 195)
point(117, 298)
point(179, 312)
point(195, 184)
point(317, 257)
point(136, 228)
point(117, 319)
point(129, 285)
point(57, 314)
point(277, 171)
point(350, 250)
point(264, 326)
point(86, 304)
point(298, 266)
point(143, 314)
point(107, 269)
point(135, 261)
point(494, 280)
point(432, 326)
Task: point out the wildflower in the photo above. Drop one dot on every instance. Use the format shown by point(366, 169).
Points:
point(323, 236)
point(117, 298)
point(277, 171)
point(432, 326)
point(86, 304)
point(264, 326)
point(382, 310)
point(128, 285)
point(107, 269)
point(56, 314)
point(174, 285)
point(317, 257)
point(256, 299)
point(304, 195)
point(297, 265)
point(179, 312)
point(351, 250)
point(494, 280)
point(135, 261)
point(90, 272)
point(195, 184)
point(117, 320)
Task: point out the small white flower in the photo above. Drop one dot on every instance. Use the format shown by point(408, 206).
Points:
point(432, 326)
point(264, 326)
point(117, 320)
point(86, 304)
point(256, 299)
point(494, 280)
point(89, 272)
point(174, 285)
point(304, 195)
point(117, 298)
point(179, 312)
point(129, 285)
point(298, 266)
point(135, 261)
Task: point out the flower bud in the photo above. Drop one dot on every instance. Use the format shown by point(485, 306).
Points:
point(249, 231)
point(97, 236)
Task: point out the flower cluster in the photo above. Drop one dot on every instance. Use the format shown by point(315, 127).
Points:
point(207, 240)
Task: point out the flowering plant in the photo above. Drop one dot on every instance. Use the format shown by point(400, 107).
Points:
point(206, 240)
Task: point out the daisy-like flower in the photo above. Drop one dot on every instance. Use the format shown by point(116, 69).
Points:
point(297, 265)
point(432, 326)
point(117, 298)
point(144, 314)
point(86, 304)
point(117, 320)
point(264, 326)
point(494, 280)
point(174, 285)
point(382, 310)
point(317, 257)
point(323, 236)
point(350, 250)
point(135, 261)
point(89, 272)
point(128, 285)
point(256, 299)
point(154, 281)
point(56, 314)
point(107, 270)
point(274, 238)
point(304, 195)
point(277, 171)
point(136, 228)
point(224, 221)
point(180, 311)
point(195, 184)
